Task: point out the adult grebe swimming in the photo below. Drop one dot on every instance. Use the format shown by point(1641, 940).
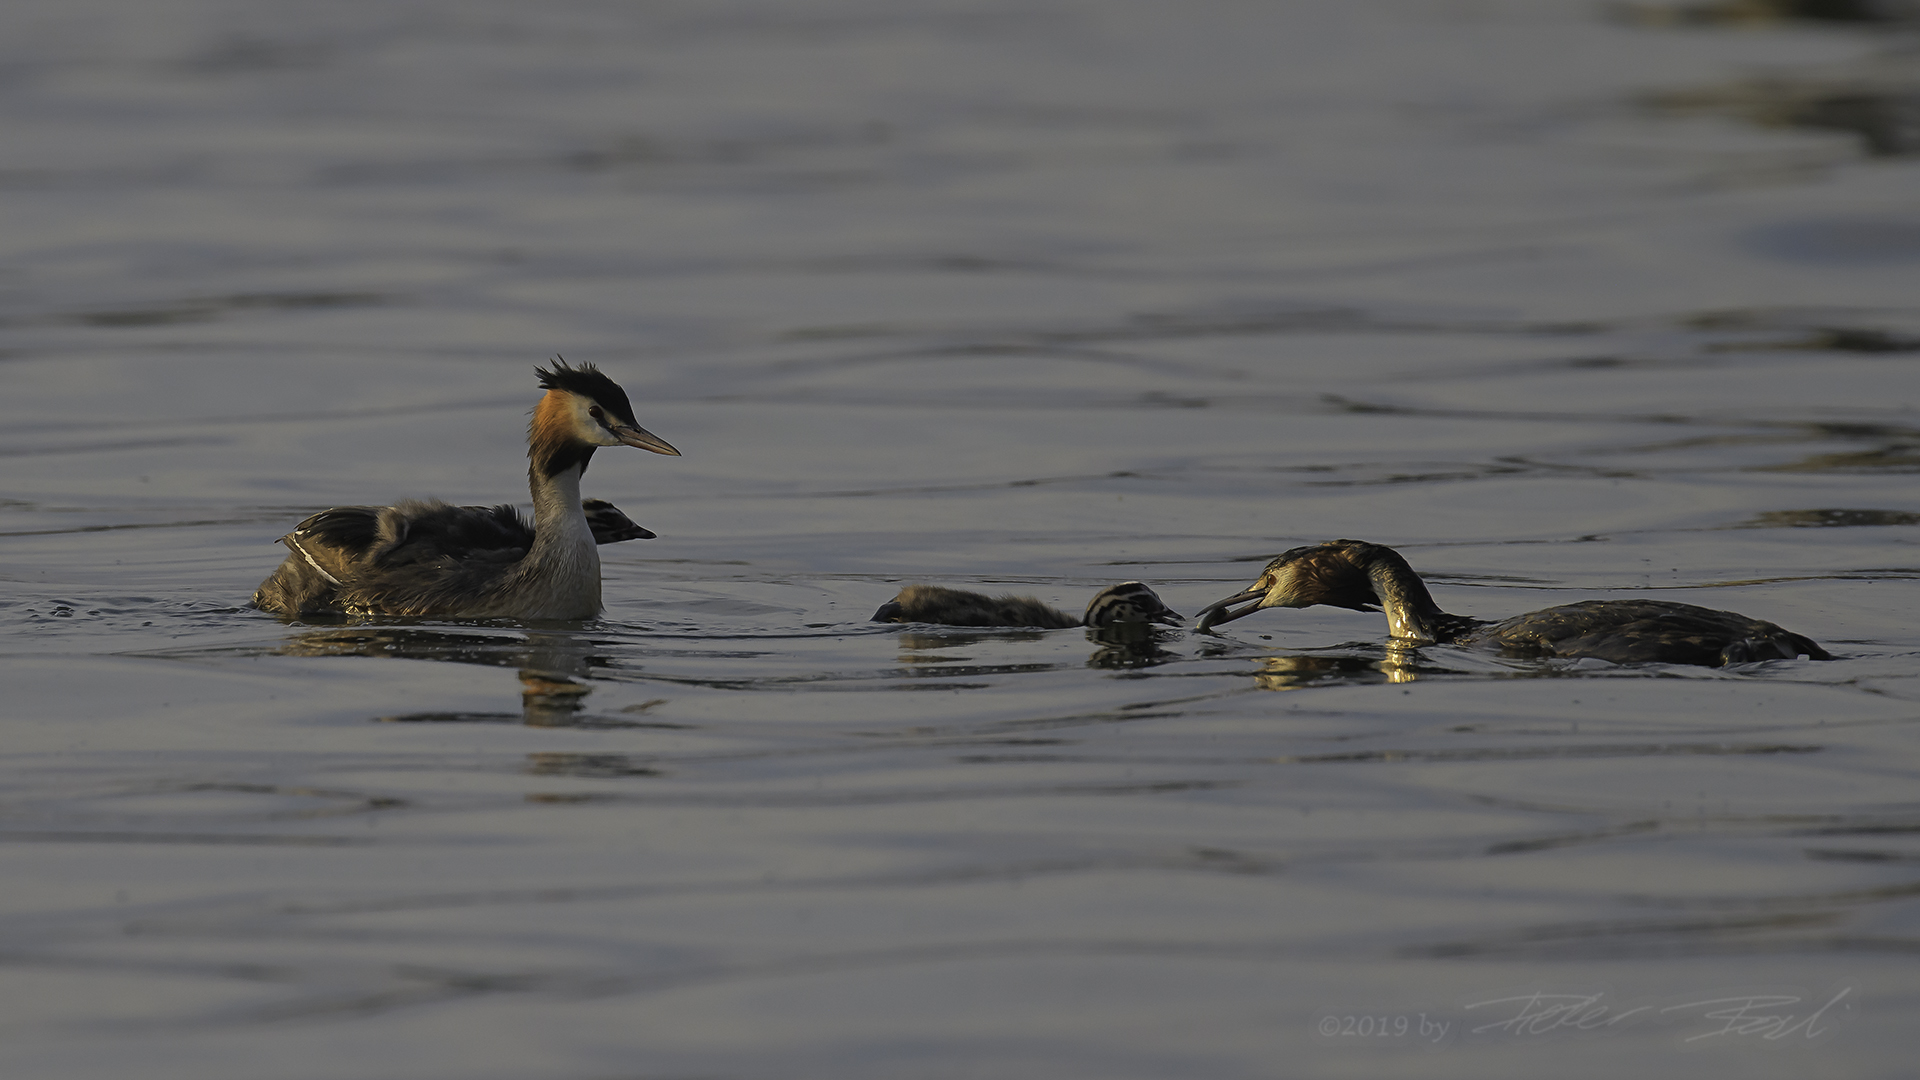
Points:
point(1369, 577)
point(426, 558)
point(1127, 602)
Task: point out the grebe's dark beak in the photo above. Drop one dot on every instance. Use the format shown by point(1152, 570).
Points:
point(1221, 611)
point(644, 439)
point(608, 533)
point(891, 611)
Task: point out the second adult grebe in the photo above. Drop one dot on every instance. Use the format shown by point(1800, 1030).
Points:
point(427, 558)
point(1370, 577)
point(1127, 602)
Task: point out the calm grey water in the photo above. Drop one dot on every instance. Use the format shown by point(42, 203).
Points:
point(1567, 301)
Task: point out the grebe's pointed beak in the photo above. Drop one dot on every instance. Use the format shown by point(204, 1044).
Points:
point(644, 439)
point(1221, 611)
point(616, 534)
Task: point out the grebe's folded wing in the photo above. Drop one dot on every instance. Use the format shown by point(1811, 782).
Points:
point(325, 551)
point(417, 531)
point(332, 541)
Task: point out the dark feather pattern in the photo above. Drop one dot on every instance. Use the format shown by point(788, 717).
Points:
point(1643, 631)
point(560, 457)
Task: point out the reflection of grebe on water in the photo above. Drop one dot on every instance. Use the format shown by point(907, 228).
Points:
point(426, 558)
point(1370, 577)
point(558, 671)
point(1399, 664)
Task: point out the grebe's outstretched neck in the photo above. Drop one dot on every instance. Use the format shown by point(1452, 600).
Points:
point(1369, 577)
point(1128, 602)
point(431, 559)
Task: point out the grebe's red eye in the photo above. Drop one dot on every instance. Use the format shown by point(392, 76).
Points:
point(597, 414)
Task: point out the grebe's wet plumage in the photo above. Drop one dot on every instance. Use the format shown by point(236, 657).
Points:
point(427, 558)
point(1370, 577)
point(957, 607)
point(1128, 602)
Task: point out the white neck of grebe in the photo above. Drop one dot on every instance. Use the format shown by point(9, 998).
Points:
point(561, 574)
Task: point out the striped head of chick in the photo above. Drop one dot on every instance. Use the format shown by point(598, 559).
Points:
point(1129, 602)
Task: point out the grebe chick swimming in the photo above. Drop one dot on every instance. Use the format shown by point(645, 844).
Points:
point(426, 558)
point(1127, 602)
point(1370, 577)
point(604, 520)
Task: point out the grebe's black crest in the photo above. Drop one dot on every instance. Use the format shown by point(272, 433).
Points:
point(1370, 577)
point(1129, 602)
point(588, 382)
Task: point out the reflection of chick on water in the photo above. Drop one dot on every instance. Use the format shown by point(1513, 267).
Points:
point(1369, 577)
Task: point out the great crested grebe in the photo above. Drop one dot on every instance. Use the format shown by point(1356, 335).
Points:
point(1127, 602)
point(426, 558)
point(1370, 577)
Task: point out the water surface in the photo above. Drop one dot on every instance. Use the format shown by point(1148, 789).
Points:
point(1565, 301)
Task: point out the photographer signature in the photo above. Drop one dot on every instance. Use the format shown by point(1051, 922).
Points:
point(1768, 1017)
